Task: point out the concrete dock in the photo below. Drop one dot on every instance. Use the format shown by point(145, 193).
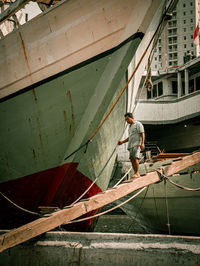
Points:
point(71, 248)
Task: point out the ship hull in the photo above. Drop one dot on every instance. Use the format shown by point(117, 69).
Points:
point(66, 77)
point(51, 123)
point(165, 208)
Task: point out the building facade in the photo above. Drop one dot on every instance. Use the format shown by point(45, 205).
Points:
point(177, 39)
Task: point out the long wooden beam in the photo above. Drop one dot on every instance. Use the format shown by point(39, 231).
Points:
point(12, 9)
point(64, 216)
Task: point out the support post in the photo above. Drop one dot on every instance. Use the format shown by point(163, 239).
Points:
point(179, 85)
point(186, 81)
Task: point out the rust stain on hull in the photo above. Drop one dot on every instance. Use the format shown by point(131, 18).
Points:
point(72, 110)
point(25, 56)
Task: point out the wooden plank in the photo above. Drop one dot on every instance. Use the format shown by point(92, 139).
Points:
point(42, 225)
point(187, 161)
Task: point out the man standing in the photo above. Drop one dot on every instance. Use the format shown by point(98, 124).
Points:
point(135, 141)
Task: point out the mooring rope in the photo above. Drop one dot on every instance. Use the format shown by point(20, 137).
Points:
point(126, 85)
point(81, 196)
point(19, 207)
point(139, 209)
point(161, 173)
point(182, 187)
point(167, 209)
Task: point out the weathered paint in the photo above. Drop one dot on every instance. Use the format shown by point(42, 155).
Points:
point(65, 38)
point(35, 117)
point(149, 209)
point(57, 187)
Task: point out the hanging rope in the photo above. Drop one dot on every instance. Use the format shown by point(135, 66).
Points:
point(182, 187)
point(139, 209)
point(82, 146)
point(115, 103)
point(123, 177)
point(126, 85)
point(167, 209)
point(162, 175)
point(19, 207)
point(81, 196)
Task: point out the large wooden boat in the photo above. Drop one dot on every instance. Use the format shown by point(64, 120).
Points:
point(60, 74)
point(165, 207)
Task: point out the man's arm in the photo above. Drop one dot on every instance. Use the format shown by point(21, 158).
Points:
point(120, 142)
point(143, 139)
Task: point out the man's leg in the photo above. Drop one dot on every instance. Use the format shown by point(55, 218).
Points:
point(135, 164)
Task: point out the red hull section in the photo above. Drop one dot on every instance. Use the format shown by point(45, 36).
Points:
point(58, 187)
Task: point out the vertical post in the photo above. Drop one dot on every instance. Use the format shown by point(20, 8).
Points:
point(179, 85)
point(195, 84)
point(186, 81)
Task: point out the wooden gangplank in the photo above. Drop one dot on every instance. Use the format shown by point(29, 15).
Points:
point(64, 216)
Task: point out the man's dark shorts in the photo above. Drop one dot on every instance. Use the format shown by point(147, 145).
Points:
point(134, 152)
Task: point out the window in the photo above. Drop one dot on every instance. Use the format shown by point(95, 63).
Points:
point(160, 88)
point(184, 29)
point(184, 38)
point(174, 31)
point(191, 20)
point(184, 13)
point(185, 45)
point(184, 21)
point(192, 45)
point(191, 3)
point(184, 5)
point(174, 23)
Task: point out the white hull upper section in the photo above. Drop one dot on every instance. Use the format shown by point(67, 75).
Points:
point(66, 35)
